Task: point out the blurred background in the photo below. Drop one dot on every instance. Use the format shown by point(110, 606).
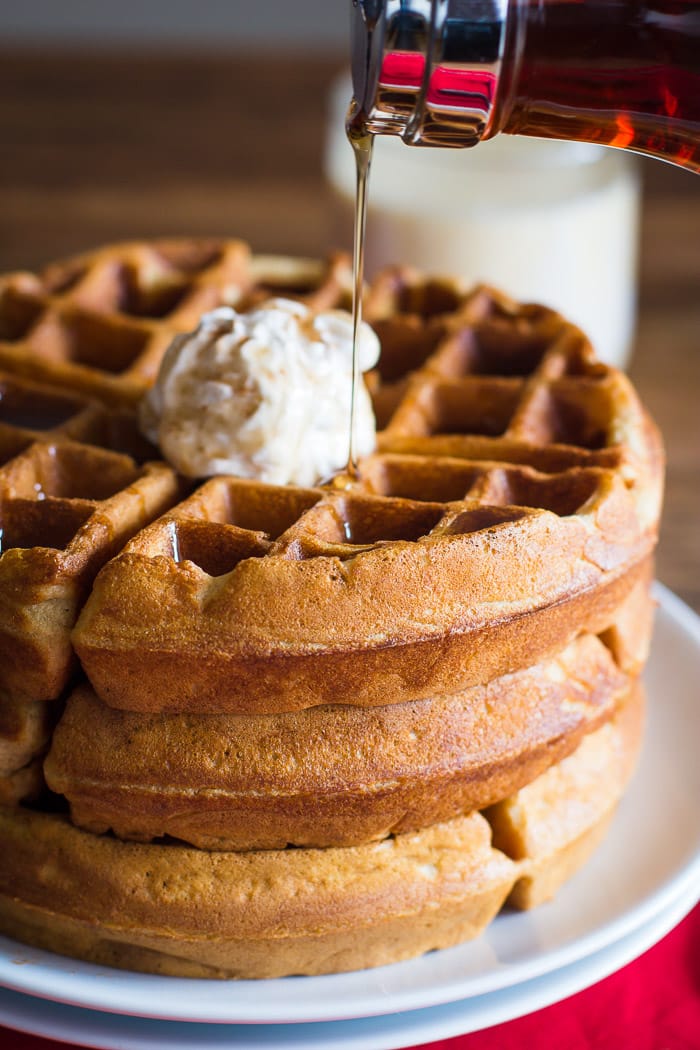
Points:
point(218, 23)
point(136, 119)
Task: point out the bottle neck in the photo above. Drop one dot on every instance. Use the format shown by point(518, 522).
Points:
point(430, 71)
point(453, 72)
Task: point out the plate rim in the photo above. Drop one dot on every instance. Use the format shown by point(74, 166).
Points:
point(428, 1024)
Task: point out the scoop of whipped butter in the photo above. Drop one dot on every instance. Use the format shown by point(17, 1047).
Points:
point(263, 394)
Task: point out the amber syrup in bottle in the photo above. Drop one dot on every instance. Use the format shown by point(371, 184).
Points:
point(619, 73)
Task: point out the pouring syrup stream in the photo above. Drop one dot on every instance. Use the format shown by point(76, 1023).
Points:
point(361, 141)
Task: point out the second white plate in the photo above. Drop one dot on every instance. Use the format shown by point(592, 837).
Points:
point(390, 1032)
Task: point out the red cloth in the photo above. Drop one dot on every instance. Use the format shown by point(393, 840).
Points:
point(652, 1004)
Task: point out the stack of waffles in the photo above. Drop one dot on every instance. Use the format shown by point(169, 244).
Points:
point(254, 730)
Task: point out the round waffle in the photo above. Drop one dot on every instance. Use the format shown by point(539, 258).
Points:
point(443, 655)
point(169, 909)
point(329, 775)
point(514, 499)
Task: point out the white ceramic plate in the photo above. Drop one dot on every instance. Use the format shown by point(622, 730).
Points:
point(391, 1032)
point(650, 860)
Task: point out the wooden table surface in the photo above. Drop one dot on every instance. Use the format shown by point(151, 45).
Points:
point(110, 146)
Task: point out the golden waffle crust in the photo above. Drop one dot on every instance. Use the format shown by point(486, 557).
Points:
point(80, 342)
point(169, 909)
point(443, 655)
point(513, 501)
point(99, 323)
point(327, 776)
point(65, 509)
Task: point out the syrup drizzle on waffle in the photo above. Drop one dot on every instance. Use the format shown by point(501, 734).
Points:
point(362, 144)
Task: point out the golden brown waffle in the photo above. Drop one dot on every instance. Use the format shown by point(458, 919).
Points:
point(65, 509)
point(514, 390)
point(25, 731)
point(327, 776)
point(386, 655)
point(515, 495)
point(202, 615)
point(100, 323)
point(174, 910)
point(34, 412)
point(438, 572)
point(45, 579)
point(522, 825)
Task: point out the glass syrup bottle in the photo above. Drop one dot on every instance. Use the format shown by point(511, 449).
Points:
point(454, 72)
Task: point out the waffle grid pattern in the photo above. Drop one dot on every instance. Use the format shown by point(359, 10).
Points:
point(100, 324)
point(493, 416)
point(65, 509)
point(512, 468)
point(488, 412)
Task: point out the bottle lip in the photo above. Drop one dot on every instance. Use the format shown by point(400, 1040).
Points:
point(502, 172)
point(529, 153)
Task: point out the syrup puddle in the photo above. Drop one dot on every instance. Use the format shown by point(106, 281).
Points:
point(342, 522)
point(174, 542)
